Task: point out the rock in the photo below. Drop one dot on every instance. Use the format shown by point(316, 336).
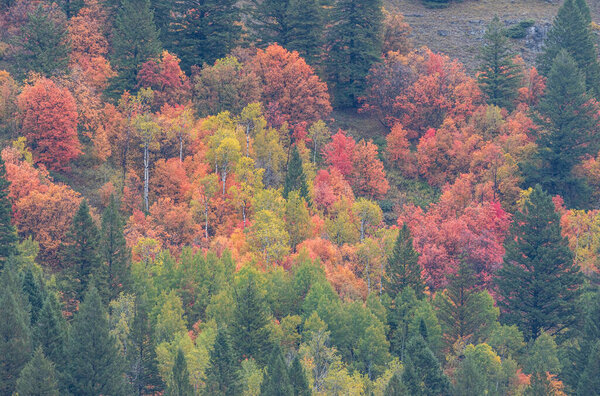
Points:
point(536, 35)
point(442, 33)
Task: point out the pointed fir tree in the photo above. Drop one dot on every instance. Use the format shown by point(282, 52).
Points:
point(114, 251)
point(276, 381)
point(204, 31)
point(179, 384)
point(32, 288)
point(569, 122)
point(222, 373)
point(268, 21)
point(295, 179)
point(354, 45)
point(403, 268)
point(38, 377)
point(584, 9)
point(135, 40)
point(589, 384)
point(572, 32)
point(298, 378)
point(94, 366)
point(539, 281)
point(422, 372)
point(395, 387)
point(499, 77)
point(15, 333)
point(306, 29)
point(8, 233)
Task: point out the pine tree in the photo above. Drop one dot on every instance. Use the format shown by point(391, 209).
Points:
point(569, 122)
point(114, 250)
point(38, 377)
point(589, 384)
point(354, 45)
point(298, 378)
point(422, 374)
point(8, 233)
point(403, 268)
point(571, 31)
point(135, 40)
point(95, 366)
point(295, 179)
point(539, 280)
point(204, 30)
point(499, 77)
point(179, 384)
point(222, 374)
point(276, 381)
point(80, 253)
point(395, 387)
point(269, 22)
point(15, 334)
point(32, 289)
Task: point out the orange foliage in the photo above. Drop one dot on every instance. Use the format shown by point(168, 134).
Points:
point(399, 153)
point(339, 153)
point(168, 82)
point(368, 176)
point(23, 177)
point(169, 180)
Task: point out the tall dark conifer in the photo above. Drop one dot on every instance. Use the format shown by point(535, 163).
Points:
point(298, 378)
point(222, 373)
point(8, 233)
point(38, 377)
point(539, 282)
point(114, 251)
point(179, 384)
point(403, 268)
point(32, 288)
point(276, 381)
point(295, 179)
point(422, 372)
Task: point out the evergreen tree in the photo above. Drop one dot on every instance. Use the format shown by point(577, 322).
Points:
point(276, 381)
point(569, 122)
point(395, 387)
point(162, 17)
point(222, 375)
point(571, 31)
point(8, 233)
point(589, 384)
point(403, 268)
point(422, 372)
point(81, 253)
point(38, 377)
point(249, 330)
point(114, 250)
point(94, 366)
point(203, 31)
point(298, 378)
point(354, 45)
point(135, 40)
point(15, 334)
point(499, 77)
point(35, 294)
point(179, 384)
point(295, 179)
point(539, 281)
point(72, 7)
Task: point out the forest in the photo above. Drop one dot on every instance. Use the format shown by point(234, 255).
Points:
point(295, 198)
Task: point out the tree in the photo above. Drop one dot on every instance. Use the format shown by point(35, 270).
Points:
point(34, 293)
point(298, 378)
point(571, 31)
point(570, 123)
point(48, 115)
point(538, 283)
point(295, 179)
point(8, 233)
point(589, 384)
point(542, 363)
point(395, 387)
point(499, 77)
point(269, 236)
point(135, 40)
point(179, 384)
point(396, 33)
point(94, 365)
point(38, 377)
point(277, 380)
point(148, 131)
point(369, 215)
point(203, 31)
point(297, 219)
point(403, 269)
point(15, 334)
point(113, 250)
point(422, 374)
point(354, 45)
point(168, 82)
point(222, 374)
point(368, 176)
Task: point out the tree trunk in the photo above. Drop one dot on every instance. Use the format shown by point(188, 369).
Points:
point(146, 175)
point(180, 148)
point(224, 177)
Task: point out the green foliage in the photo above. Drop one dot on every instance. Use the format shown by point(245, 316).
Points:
point(179, 385)
point(38, 377)
point(222, 374)
point(519, 30)
point(295, 179)
point(8, 233)
point(589, 384)
point(422, 374)
point(114, 252)
point(277, 380)
point(395, 387)
point(481, 372)
point(403, 269)
point(539, 281)
point(32, 287)
point(297, 219)
point(298, 378)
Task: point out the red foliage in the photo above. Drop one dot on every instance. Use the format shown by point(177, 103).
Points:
point(368, 176)
point(169, 180)
point(23, 177)
point(399, 153)
point(168, 82)
point(329, 187)
point(339, 153)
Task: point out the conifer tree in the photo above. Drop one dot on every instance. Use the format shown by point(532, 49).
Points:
point(8, 233)
point(276, 381)
point(269, 21)
point(395, 387)
point(570, 126)
point(422, 374)
point(403, 268)
point(114, 250)
point(499, 77)
point(571, 31)
point(298, 378)
point(15, 334)
point(80, 254)
point(295, 179)
point(589, 384)
point(38, 377)
point(203, 31)
point(32, 289)
point(135, 40)
point(94, 366)
point(539, 281)
point(222, 374)
point(179, 384)
point(354, 45)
